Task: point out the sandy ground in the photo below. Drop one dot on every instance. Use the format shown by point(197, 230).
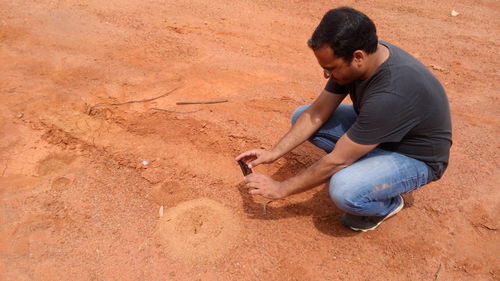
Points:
point(77, 202)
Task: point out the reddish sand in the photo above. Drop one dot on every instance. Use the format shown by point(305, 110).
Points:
point(77, 203)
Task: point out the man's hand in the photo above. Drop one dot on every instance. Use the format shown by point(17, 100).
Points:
point(265, 186)
point(255, 157)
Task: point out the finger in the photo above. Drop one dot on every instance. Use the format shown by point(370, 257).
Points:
point(241, 156)
point(254, 177)
point(252, 185)
point(246, 154)
point(249, 158)
point(255, 191)
point(259, 160)
point(254, 163)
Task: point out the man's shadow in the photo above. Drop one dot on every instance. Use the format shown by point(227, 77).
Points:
point(325, 215)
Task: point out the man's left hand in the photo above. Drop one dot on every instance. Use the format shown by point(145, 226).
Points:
point(265, 186)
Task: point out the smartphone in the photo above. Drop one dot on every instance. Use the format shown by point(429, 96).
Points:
point(244, 168)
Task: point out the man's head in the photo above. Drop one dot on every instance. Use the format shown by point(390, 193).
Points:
point(341, 43)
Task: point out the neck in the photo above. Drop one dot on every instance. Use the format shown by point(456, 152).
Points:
point(375, 60)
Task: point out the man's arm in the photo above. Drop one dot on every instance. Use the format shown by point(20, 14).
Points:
point(307, 123)
point(344, 154)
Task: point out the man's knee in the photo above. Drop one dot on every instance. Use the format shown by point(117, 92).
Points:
point(298, 112)
point(343, 191)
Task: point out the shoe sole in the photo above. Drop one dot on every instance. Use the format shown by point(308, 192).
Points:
point(395, 211)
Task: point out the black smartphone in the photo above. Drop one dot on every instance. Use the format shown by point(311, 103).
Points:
point(244, 168)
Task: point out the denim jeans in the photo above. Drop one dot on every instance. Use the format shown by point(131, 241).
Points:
point(371, 185)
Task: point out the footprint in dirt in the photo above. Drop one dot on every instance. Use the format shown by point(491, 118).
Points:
point(60, 184)
point(53, 163)
point(198, 230)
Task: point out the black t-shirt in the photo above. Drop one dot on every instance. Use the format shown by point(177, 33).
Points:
point(403, 108)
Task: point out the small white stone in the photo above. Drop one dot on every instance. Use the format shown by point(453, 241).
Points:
point(144, 162)
point(161, 211)
point(454, 13)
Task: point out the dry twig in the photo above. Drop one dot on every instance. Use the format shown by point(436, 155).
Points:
point(5, 169)
point(174, 111)
point(133, 101)
point(488, 227)
point(436, 276)
point(264, 206)
point(200, 102)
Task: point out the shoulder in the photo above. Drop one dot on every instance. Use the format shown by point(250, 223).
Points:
point(401, 63)
point(405, 75)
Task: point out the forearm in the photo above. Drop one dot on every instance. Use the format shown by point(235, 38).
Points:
point(308, 122)
point(314, 175)
point(344, 154)
point(303, 128)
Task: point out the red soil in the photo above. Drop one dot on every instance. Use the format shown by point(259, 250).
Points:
point(76, 202)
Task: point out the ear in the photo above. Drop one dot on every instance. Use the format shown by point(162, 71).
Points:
point(358, 57)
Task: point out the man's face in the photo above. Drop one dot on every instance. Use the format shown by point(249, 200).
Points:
point(335, 68)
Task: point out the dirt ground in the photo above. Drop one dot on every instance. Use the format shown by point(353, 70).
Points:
point(95, 186)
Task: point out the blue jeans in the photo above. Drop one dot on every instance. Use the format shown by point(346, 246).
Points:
point(370, 186)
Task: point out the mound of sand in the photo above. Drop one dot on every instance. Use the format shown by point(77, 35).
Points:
point(198, 230)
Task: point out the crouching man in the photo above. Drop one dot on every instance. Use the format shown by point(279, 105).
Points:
point(395, 137)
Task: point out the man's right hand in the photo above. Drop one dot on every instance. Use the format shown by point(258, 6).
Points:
point(255, 157)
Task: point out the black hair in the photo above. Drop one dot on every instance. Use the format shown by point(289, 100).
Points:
point(345, 30)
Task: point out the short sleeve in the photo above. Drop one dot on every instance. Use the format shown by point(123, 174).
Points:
point(335, 88)
point(383, 117)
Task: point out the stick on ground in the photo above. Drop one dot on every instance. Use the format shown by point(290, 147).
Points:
point(133, 101)
point(174, 111)
point(264, 206)
point(436, 276)
point(200, 102)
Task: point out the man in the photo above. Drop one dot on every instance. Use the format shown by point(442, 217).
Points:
point(395, 137)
